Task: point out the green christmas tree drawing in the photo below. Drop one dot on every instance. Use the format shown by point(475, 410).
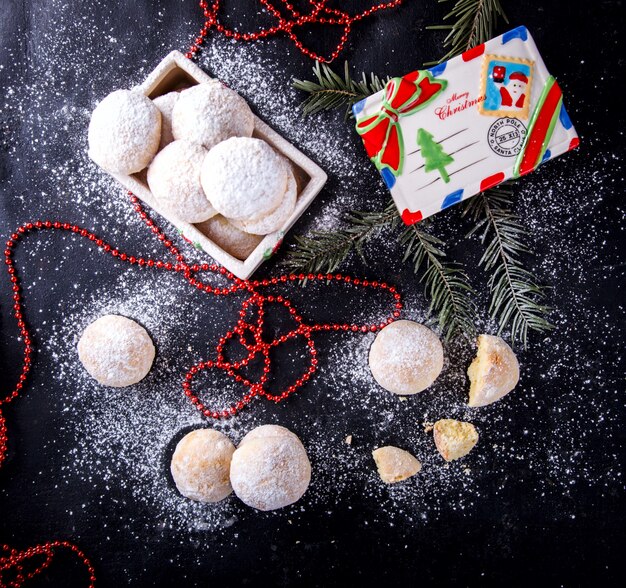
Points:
point(433, 154)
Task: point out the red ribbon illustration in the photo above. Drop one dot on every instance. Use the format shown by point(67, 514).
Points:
point(381, 133)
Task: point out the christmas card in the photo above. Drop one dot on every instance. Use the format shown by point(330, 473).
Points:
point(441, 135)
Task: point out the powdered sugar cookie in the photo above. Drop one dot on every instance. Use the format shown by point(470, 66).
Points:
point(270, 472)
point(210, 113)
point(165, 104)
point(116, 351)
point(244, 178)
point(201, 465)
point(174, 178)
point(230, 238)
point(406, 357)
point(275, 220)
point(124, 132)
point(494, 371)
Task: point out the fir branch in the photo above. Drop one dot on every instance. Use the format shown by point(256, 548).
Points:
point(324, 251)
point(331, 91)
point(516, 296)
point(446, 283)
point(475, 23)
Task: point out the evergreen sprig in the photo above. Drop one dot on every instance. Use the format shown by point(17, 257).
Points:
point(331, 91)
point(325, 251)
point(515, 296)
point(475, 23)
point(446, 283)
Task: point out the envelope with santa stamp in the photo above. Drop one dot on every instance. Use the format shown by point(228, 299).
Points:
point(441, 135)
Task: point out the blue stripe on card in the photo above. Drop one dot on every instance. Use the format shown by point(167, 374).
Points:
point(518, 33)
point(565, 119)
point(358, 106)
point(438, 69)
point(388, 177)
point(452, 198)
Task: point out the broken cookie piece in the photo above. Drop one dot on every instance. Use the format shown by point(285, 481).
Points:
point(494, 371)
point(395, 464)
point(454, 439)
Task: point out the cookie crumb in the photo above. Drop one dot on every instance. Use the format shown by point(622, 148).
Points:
point(348, 440)
point(454, 439)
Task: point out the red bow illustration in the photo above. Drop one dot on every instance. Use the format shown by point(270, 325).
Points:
point(381, 133)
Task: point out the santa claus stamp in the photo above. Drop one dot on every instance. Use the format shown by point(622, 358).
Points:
point(506, 85)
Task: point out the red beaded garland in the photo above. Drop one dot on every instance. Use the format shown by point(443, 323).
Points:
point(320, 14)
point(255, 301)
point(14, 560)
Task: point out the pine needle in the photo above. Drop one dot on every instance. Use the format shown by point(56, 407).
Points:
point(446, 283)
point(475, 23)
point(516, 296)
point(325, 251)
point(331, 91)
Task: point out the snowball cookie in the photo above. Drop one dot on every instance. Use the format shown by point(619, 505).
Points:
point(406, 357)
point(165, 104)
point(210, 113)
point(174, 178)
point(245, 179)
point(116, 351)
point(275, 220)
point(494, 371)
point(124, 132)
point(227, 236)
point(201, 465)
point(270, 469)
point(395, 464)
point(454, 439)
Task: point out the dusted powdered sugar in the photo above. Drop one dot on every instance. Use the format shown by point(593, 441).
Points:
point(270, 472)
point(124, 132)
point(116, 351)
point(210, 113)
point(201, 465)
point(174, 178)
point(244, 178)
point(119, 443)
point(275, 220)
point(406, 357)
point(165, 104)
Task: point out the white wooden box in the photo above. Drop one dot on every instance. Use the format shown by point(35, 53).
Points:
point(176, 72)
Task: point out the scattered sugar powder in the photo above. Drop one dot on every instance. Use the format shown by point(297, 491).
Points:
point(567, 403)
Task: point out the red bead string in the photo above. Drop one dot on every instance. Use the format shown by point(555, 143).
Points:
point(243, 327)
point(320, 13)
point(12, 564)
point(255, 301)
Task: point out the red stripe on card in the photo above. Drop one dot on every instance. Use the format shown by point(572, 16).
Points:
point(491, 181)
point(575, 142)
point(535, 142)
point(473, 53)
